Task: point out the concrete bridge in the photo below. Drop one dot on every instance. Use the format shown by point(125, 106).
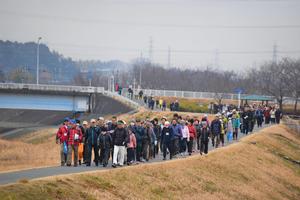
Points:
point(58, 97)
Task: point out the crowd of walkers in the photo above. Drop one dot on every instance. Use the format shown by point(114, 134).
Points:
point(143, 140)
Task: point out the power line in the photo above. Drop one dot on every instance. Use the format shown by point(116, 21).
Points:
point(143, 24)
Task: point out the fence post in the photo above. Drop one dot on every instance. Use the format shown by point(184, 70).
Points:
point(182, 94)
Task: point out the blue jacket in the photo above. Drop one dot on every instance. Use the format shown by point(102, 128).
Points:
point(216, 127)
point(176, 130)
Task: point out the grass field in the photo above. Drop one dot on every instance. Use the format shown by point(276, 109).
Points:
point(261, 166)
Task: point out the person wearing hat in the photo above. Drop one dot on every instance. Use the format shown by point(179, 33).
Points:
point(166, 138)
point(157, 131)
point(85, 125)
point(120, 139)
point(177, 135)
point(74, 138)
point(204, 137)
point(185, 137)
point(216, 128)
point(139, 133)
point(92, 134)
point(104, 143)
point(81, 143)
point(62, 139)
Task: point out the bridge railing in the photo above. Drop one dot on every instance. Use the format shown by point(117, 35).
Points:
point(191, 94)
point(183, 94)
point(64, 88)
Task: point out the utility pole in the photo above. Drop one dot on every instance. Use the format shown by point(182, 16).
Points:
point(169, 57)
point(38, 60)
point(275, 53)
point(151, 49)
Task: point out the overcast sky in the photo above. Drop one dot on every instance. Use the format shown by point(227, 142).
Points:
point(232, 34)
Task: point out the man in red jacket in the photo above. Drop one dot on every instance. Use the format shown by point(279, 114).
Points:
point(62, 139)
point(74, 138)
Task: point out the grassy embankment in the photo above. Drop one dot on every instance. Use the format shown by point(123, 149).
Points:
point(261, 166)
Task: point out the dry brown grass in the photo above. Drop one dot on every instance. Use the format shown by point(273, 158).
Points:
point(33, 150)
point(254, 168)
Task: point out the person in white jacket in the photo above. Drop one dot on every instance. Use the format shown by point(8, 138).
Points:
point(185, 137)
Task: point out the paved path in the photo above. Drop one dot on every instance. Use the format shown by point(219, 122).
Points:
point(12, 177)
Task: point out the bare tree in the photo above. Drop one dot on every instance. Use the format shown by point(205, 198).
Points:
point(292, 68)
point(270, 79)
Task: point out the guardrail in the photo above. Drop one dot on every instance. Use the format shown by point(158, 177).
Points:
point(41, 87)
point(191, 94)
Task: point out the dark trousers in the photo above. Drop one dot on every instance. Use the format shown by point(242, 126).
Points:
point(251, 125)
point(204, 146)
point(246, 127)
point(272, 120)
point(183, 143)
point(259, 121)
point(278, 120)
point(89, 154)
point(190, 145)
point(139, 151)
point(235, 133)
point(267, 120)
point(175, 146)
point(167, 146)
point(222, 138)
point(215, 140)
point(104, 156)
point(145, 149)
point(198, 142)
point(130, 155)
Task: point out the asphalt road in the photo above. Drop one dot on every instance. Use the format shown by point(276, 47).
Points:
point(13, 177)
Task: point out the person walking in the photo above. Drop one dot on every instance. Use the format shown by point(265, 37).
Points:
point(216, 128)
point(105, 143)
point(92, 134)
point(166, 138)
point(278, 115)
point(164, 105)
point(62, 139)
point(74, 138)
point(177, 135)
point(131, 147)
point(192, 136)
point(204, 138)
point(235, 124)
point(259, 116)
point(273, 116)
point(157, 132)
point(185, 137)
point(139, 134)
point(120, 139)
